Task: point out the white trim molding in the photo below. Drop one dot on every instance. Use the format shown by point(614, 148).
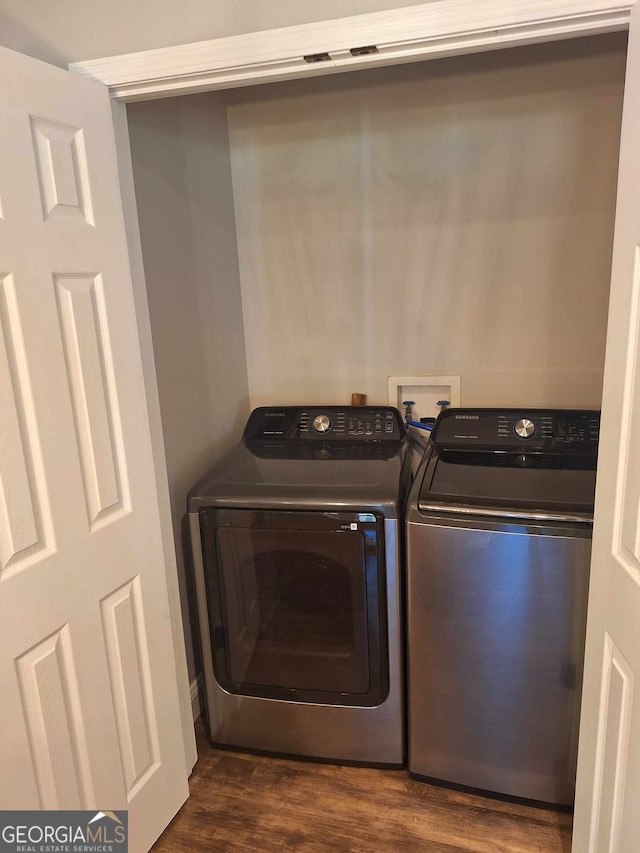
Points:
point(435, 29)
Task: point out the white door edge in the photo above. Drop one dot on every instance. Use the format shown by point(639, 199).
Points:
point(430, 30)
point(608, 773)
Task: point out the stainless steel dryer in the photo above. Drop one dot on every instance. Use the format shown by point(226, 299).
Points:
point(296, 556)
point(498, 548)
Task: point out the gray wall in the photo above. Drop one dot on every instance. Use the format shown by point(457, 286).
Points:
point(444, 218)
point(180, 154)
point(61, 31)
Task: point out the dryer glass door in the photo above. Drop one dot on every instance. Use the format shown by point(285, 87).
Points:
point(296, 601)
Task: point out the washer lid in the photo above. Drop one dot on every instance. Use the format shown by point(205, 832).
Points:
point(270, 476)
point(529, 482)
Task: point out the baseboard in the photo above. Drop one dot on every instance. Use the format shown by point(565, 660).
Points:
point(196, 693)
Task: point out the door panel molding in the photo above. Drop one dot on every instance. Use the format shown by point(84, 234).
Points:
point(123, 628)
point(626, 518)
point(49, 690)
point(95, 407)
point(62, 170)
point(614, 729)
point(26, 532)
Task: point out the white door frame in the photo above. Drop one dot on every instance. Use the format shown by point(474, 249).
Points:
point(427, 31)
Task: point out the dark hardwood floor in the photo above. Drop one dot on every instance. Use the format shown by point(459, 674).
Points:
point(255, 804)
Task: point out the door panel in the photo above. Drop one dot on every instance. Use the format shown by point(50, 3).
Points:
point(55, 722)
point(62, 171)
point(25, 517)
point(90, 693)
point(82, 310)
point(608, 784)
point(123, 628)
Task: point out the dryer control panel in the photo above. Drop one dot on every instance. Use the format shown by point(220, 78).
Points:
point(325, 423)
point(565, 429)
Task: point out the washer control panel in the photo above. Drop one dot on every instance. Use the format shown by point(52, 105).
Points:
point(327, 423)
point(535, 428)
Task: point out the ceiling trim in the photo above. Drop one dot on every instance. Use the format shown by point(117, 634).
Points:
point(435, 29)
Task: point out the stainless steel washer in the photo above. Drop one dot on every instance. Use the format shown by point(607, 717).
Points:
point(498, 548)
point(296, 554)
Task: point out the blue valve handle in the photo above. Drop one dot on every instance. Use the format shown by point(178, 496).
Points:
point(427, 427)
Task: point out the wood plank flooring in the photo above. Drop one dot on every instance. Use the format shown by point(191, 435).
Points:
point(256, 804)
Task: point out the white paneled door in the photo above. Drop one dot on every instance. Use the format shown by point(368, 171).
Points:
point(89, 693)
point(607, 817)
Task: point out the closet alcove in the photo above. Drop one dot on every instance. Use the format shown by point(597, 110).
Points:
point(305, 240)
